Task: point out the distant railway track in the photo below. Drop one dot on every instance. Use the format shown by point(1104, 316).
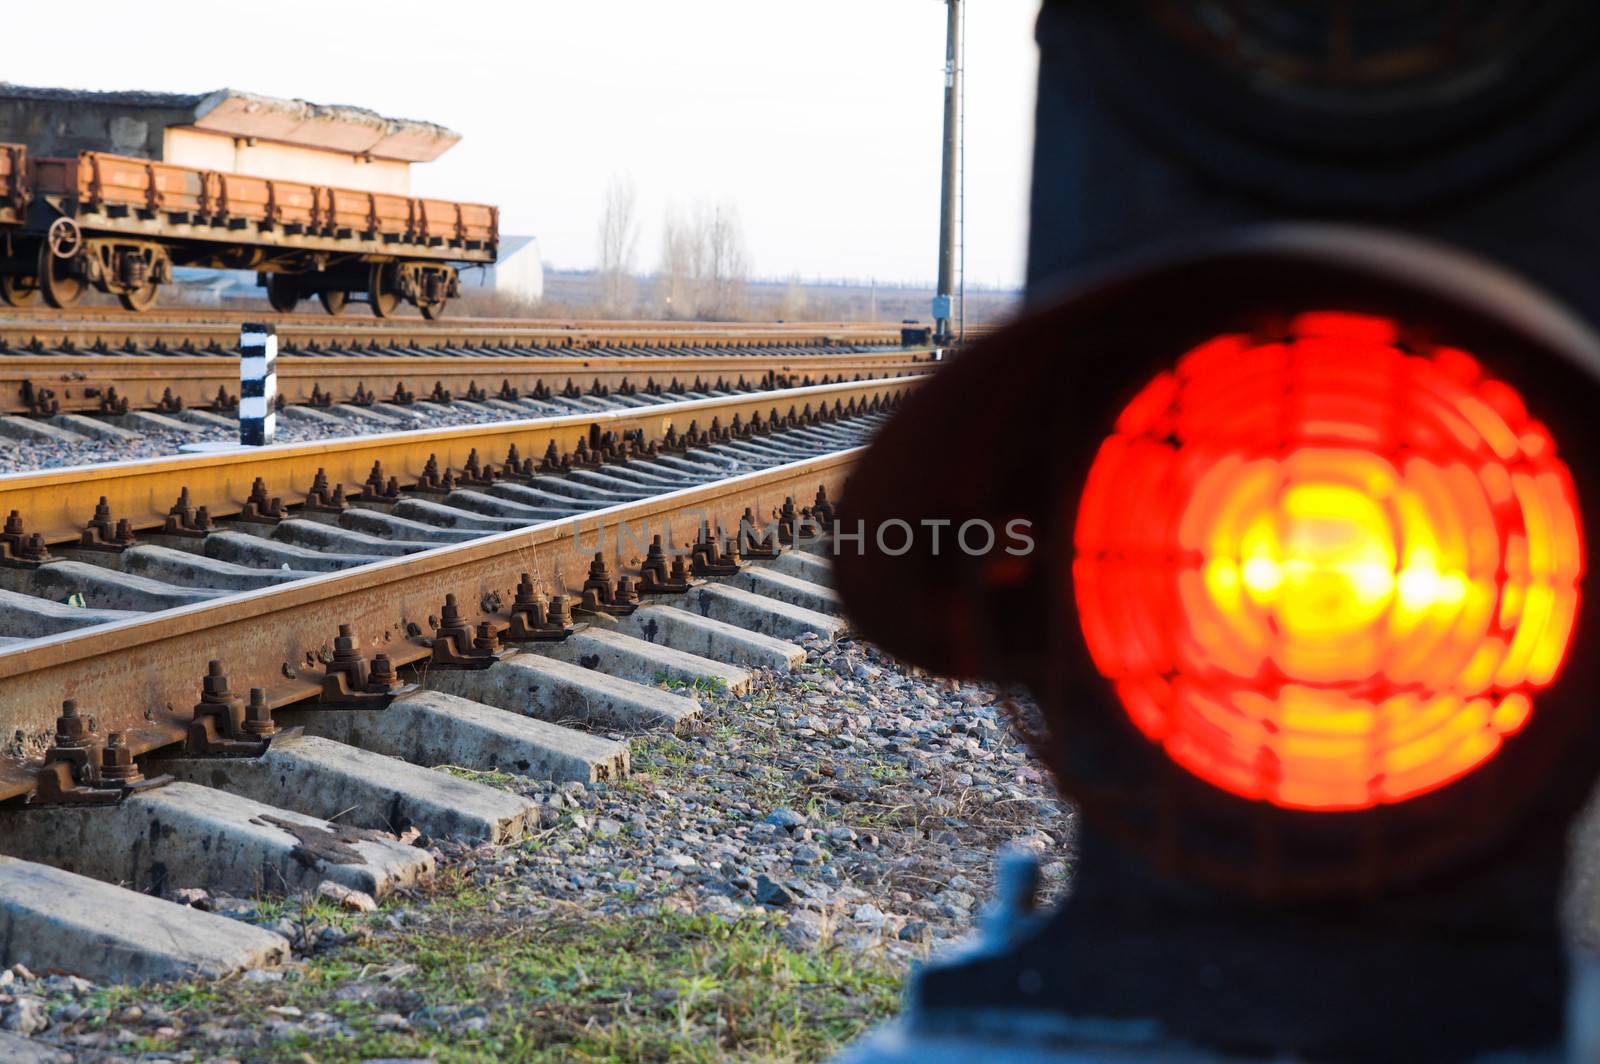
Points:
point(105, 367)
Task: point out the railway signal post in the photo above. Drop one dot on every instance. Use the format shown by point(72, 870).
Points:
point(1308, 622)
point(258, 383)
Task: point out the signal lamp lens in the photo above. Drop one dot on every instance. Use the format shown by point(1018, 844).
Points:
point(1324, 571)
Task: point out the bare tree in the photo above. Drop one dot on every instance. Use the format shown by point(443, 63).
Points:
point(619, 240)
point(678, 265)
point(704, 263)
point(726, 265)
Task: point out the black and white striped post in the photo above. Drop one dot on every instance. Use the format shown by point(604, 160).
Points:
point(258, 384)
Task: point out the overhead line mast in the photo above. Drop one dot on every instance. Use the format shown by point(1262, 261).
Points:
point(950, 180)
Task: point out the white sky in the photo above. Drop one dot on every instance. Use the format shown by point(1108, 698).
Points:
point(821, 119)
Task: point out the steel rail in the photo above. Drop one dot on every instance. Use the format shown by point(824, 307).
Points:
point(114, 329)
point(143, 675)
point(82, 382)
point(57, 503)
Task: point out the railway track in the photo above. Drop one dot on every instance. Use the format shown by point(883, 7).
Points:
point(275, 650)
point(108, 367)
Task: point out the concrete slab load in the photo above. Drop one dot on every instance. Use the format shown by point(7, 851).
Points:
point(432, 728)
point(558, 691)
point(785, 588)
point(51, 920)
point(630, 658)
point(758, 613)
point(323, 778)
point(694, 634)
point(183, 835)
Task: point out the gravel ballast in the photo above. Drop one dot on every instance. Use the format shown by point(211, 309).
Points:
point(758, 887)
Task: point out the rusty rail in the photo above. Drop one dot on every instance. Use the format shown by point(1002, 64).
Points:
point(85, 382)
point(86, 327)
point(143, 675)
point(57, 503)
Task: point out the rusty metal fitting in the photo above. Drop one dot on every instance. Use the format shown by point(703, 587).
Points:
point(755, 542)
point(440, 393)
point(487, 639)
point(180, 518)
point(450, 624)
point(320, 499)
point(379, 489)
point(112, 403)
point(430, 482)
point(454, 642)
point(117, 765)
point(214, 686)
point(218, 728)
point(74, 742)
point(599, 579)
point(258, 720)
point(260, 508)
point(707, 557)
point(656, 578)
point(100, 527)
point(554, 461)
point(534, 618)
point(72, 728)
point(383, 676)
point(348, 660)
point(788, 522)
point(348, 682)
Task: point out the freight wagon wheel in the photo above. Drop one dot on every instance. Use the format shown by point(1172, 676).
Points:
point(380, 290)
point(333, 302)
point(19, 290)
point(141, 298)
point(433, 311)
point(60, 287)
point(282, 294)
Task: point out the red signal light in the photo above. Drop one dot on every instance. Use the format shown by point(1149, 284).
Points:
point(1325, 571)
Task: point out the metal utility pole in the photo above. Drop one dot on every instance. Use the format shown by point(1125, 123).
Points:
point(949, 182)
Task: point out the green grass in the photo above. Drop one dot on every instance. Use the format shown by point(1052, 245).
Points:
point(576, 986)
point(708, 685)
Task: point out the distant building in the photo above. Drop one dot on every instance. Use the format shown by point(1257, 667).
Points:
point(228, 131)
point(519, 273)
